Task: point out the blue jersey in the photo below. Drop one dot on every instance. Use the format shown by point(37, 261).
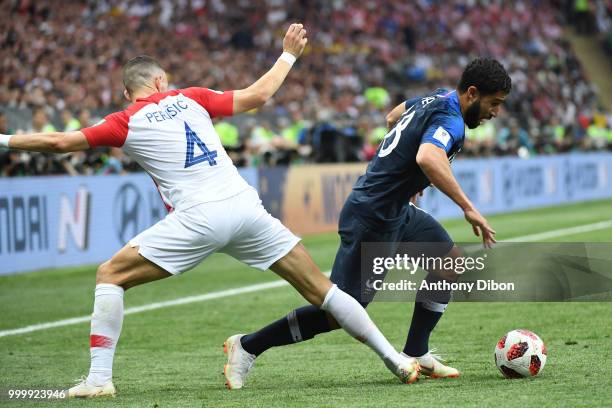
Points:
point(381, 196)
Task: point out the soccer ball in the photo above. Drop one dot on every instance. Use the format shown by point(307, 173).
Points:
point(520, 353)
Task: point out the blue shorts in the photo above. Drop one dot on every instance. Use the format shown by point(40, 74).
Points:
point(416, 226)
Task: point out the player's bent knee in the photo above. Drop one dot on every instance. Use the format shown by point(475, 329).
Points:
point(108, 273)
point(448, 274)
point(451, 274)
point(104, 274)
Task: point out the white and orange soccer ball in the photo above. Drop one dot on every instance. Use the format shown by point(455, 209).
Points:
point(520, 353)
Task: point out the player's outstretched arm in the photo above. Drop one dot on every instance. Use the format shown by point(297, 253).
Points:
point(51, 142)
point(265, 87)
point(434, 163)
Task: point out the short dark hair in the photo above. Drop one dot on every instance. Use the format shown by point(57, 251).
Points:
point(138, 71)
point(486, 74)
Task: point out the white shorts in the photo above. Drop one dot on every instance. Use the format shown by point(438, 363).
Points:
point(239, 226)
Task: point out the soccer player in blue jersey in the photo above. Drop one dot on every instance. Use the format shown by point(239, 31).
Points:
point(425, 135)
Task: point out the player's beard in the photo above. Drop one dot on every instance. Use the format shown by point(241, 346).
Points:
point(472, 115)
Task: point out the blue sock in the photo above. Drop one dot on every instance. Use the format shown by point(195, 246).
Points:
point(423, 323)
point(428, 309)
point(299, 325)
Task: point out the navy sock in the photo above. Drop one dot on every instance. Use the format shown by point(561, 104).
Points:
point(423, 323)
point(299, 325)
point(428, 309)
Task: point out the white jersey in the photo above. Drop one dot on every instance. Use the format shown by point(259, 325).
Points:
point(171, 136)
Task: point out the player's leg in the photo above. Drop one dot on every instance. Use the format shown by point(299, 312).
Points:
point(278, 250)
point(167, 248)
point(306, 322)
point(125, 269)
point(299, 325)
point(300, 271)
point(429, 306)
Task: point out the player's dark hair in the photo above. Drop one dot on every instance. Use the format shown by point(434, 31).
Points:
point(486, 74)
point(138, 71)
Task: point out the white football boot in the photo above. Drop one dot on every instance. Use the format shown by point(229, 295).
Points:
point(432, 367)
point(407, 370)
point(84, 390)
point(239, 362)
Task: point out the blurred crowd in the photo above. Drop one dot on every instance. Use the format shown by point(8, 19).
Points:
point(60, 61)
point(593, 18)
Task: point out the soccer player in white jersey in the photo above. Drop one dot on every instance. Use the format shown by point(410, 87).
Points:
point(211, 208)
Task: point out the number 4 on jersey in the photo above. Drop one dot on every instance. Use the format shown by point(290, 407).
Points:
point(207, 155)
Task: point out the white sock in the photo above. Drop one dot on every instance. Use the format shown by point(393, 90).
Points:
point(354, 319)
point(106, 325)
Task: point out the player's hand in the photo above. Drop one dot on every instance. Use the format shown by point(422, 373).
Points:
point(481, 227)
point(295, 40)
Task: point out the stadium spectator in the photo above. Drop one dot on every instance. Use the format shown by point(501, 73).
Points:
point(599, 137)
point(4, 129)
point(40, 122)
point(481, 141)
point(85, 118)
point(513, 139)
point(113, 162)
point(583, 16)
point(11, 163)
point(70, 122)
point(231, 141)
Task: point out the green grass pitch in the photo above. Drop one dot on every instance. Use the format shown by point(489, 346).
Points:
point(172, 357)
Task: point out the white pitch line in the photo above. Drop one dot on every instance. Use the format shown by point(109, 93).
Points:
point(275, 284)
point(150, 306)
point(562, 232)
